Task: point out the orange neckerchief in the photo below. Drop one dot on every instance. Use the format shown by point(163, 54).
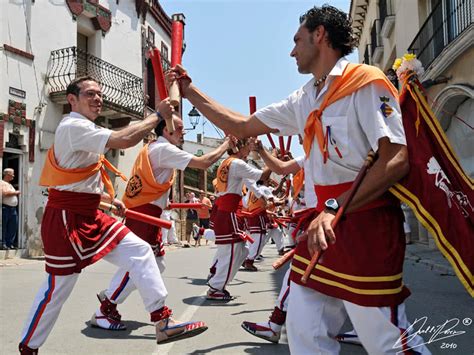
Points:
point(255, 203)
point(222, 175)
point(142, 187)
point(298, 181)
point(54, 175)
point(354, 77)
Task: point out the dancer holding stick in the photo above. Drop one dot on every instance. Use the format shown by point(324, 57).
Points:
point(75, 233)
point(147, 192)
point(342, 114)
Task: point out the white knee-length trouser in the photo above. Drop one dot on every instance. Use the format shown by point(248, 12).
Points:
point(132, 254)
point(228, 259)
point(314, 319)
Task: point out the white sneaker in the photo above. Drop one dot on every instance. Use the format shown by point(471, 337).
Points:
point(99, 320)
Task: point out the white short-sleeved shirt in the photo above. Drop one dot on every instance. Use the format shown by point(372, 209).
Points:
point(11, 200)
point(239, 171)
point(79, 142)
point(164, 158)
point(356, 124)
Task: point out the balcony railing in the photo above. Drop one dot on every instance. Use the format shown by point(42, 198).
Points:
point(376, 42)
point(445, 23)
point(387, 17)
point(123, 91)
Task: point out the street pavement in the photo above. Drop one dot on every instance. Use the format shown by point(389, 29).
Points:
point(437, 298)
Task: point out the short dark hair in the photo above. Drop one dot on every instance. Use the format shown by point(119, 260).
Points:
point(73, 87)
point(336, 23)
point(160, 127)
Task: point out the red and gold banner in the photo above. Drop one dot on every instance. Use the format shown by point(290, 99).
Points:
point(437, 189)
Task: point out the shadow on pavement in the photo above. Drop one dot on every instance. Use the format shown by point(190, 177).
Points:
point(254, 311)
point(98, 333)
point(197, 299)
point(196, 282)
point(253, 348)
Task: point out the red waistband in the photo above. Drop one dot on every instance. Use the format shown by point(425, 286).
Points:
point(229, 202)
point(77, 202)
point(333, 191)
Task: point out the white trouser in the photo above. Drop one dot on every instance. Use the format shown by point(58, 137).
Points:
point(256, 247)
point(169, 235)
point(314, 319)
point(277, 236)
point(121, 286)
point(132, 254)
point(283, 297)
point(228, 259)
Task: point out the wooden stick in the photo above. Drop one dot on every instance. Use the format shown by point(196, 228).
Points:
point(175, 205)
point(177, 27)
point(288, 143)
point(282, 146)
point(352, 191)
point(142, 217)
point(156, 62)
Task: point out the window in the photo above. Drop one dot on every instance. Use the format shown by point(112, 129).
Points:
point(151, 36)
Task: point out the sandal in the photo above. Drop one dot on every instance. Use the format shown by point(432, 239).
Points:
point(174, 330)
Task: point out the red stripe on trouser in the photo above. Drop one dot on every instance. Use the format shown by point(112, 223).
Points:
point(40, 311)
point(285, 295)
point(121, 287)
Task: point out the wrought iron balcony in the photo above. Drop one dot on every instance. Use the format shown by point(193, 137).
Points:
point(447, 21)
point(123, 91)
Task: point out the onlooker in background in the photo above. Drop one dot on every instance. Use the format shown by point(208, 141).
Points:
point(191, 217)
point(204, 213)
point(169, 235)
point(9, 212)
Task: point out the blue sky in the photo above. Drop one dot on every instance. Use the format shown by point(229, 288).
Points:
point(240, 48)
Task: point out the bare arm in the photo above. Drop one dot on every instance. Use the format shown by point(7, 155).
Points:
point(391, 165)
point(206, 160)
point(239, 125)
point(133, 134)
point(276, 165)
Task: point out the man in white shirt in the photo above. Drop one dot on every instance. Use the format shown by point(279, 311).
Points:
point(9, 210)
point(164, 157)
point(343, 111)
point(75, 233)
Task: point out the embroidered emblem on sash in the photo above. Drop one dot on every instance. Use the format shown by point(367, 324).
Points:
point(134, 186)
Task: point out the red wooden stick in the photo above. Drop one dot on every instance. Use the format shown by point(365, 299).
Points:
point(252, 104)
point(355, 185)
point(288, 144)
point(272, 143)
point(174, 205)
point(177, 27)
point(156, 62)
point(282, 146)
point(139, 216)
point(176, 42)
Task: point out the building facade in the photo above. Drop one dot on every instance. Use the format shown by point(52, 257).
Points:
point(441, 34)
point(44, 45)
